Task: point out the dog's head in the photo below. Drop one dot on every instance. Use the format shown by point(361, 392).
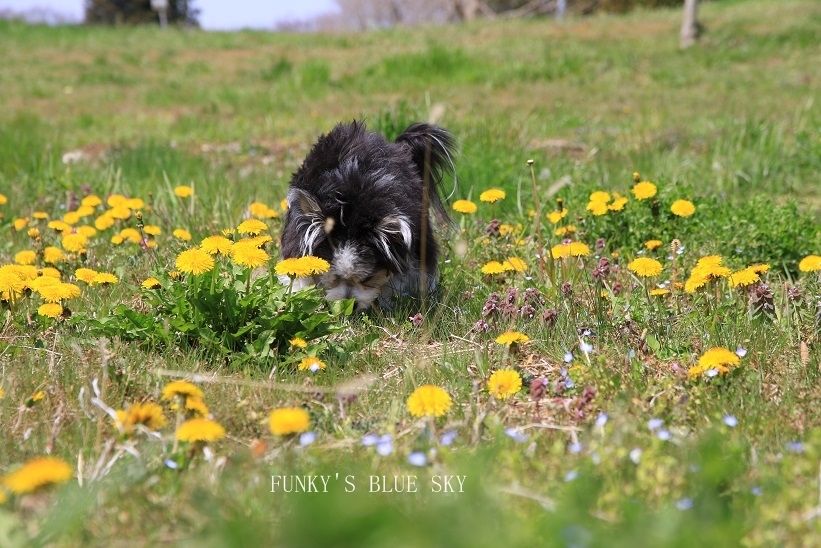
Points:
point(359, 202)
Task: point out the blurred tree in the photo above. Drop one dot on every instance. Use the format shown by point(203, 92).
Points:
point(138, 12)
point(689, 27)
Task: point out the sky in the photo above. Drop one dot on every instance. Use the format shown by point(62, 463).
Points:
point(214, 14)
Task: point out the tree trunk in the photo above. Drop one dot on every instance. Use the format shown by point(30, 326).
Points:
point(689, 27)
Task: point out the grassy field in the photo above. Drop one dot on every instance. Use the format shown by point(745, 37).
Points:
point(627, 430)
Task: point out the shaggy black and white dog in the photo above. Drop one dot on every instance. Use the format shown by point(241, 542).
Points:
point(362, 203)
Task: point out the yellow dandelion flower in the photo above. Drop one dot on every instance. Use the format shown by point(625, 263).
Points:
point(464, 206)
point(683, 208)
point(556, 216)
point(181, 388)
point(121, 213)
point(84, 211)
point(645, 267)
point(512, 337)
point(196, 406)
point(116, 200)
point(148, 414)
point(597, 208)
point(183, 191)
point(252, 227)
point(91, 200)
point(618, 204)
point(50, 272)
point(653, 244)
point(429, 401)
point(182, 234)
point(36, 473)
point(298, 342)
point(117, 239)
point(289, 420)
point(257, 241)
point(151, 283)
point(311, 362)
point(249, 256)
point(75, 243)
point(3, 199)
point(194, 261)
point(53, 255)
point(50, 310)
point(600, 196)
point(810, 263)
point(134, 203)
point(659, 292)
point(33, 233)
point(761, 268)
point(644, 190)
point(152, 230)
point(718, 358)
point(578, 249)
point(560, 251)
point(71, 218)
point(85, 275)
point(58, 225)
point(516, 264)
point(131, 234)
point(565, 230)
point(104, 222)
point(20, 223)
point(492, 195)
point(25, 257)
point(283, 205)
point(104, 278)
point(504, 383)
point(261, 210)
point(743, 278)
point(493, 267)
point(709, 260)
point(200, 430)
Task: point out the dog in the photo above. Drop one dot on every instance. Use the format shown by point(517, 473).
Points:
point(363, 204)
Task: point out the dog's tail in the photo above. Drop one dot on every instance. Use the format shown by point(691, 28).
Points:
point(432, 149)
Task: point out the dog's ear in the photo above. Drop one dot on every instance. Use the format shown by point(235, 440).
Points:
point(306, 203)
point(308, 217)
point(394, 237)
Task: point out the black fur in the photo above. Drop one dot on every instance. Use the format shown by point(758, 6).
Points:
point(359, 202)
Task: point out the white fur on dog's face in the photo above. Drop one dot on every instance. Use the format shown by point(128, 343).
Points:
point(351, 277)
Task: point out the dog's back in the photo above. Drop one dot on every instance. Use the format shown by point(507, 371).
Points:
point(361, 203)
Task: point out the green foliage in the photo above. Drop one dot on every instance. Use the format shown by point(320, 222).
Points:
point(226, 313)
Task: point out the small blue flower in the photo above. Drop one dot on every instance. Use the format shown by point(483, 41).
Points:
point(170, 463)
point(307, 438)
point(684, 504)
point(740, 352)
point(795, 447)
point(417, 458)
point(711, 372)
point(516, 435)
point(575, 448)
point(384, 447)
point(756, 491)
point(313, 368)
point(663, 434)
point(568, 357)
point(370, 439)
point(601, 420)
point(570, 476)
point(448, 438)
point(654, 423)
point(586, 347)
point(568, 383)
point(730, 421)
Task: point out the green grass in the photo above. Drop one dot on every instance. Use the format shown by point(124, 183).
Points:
point(731, 124)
